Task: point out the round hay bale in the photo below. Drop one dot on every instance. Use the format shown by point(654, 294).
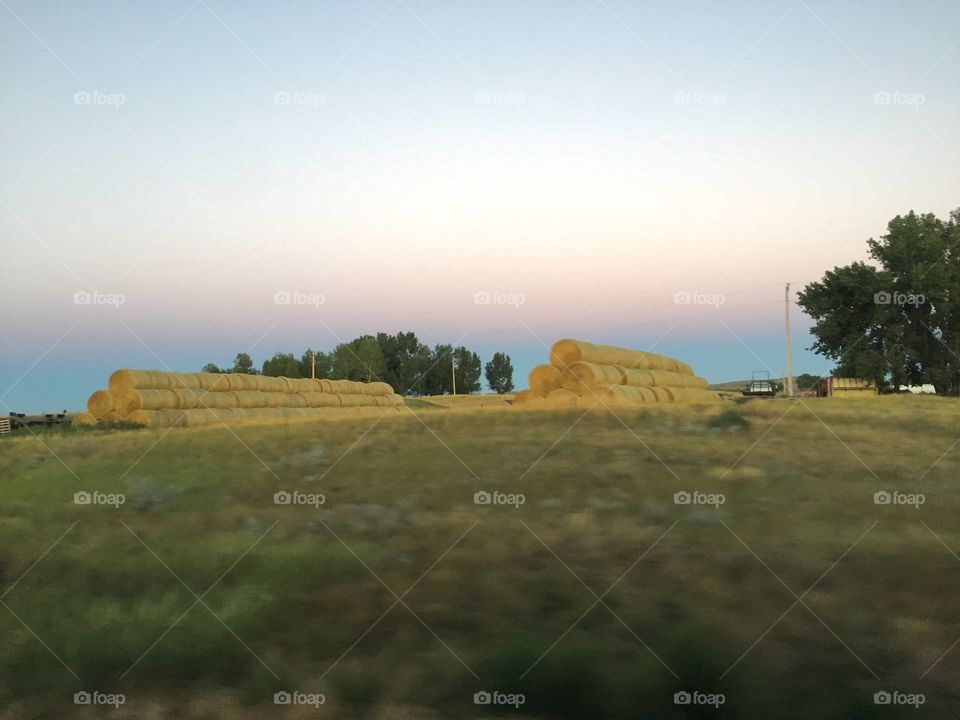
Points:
point(569, 381)
point(661, 394)
point(523, 397)
point(380, 389)
point(321, 399)
point(250, 398)
point(562, 398)
point(294, 400)
point(544, 379)
point(566, 352)
point(83, 418)
point(356, 400)
point(121, 379)
point(132, 399)
point(211, 381)
point(267, 383)
point(591, 374)
point(141, 417)
point(100, 403)
point(179, 381)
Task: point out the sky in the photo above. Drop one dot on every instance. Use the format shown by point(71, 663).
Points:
point(184, 180)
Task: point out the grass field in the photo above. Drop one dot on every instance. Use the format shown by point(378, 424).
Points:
point(400, 597)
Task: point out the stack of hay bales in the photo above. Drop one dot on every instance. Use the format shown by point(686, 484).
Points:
point(582, 374)
point(155, 398)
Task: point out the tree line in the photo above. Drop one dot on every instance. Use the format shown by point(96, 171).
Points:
point(897, 321)
point(408, 365)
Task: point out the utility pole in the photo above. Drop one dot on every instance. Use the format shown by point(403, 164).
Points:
point(313, 364)
point(453, 373)
point(786, 311)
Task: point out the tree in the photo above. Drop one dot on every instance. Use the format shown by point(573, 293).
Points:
point(900, 320)
point(210, 368)
point(243, 364)
point(360, 359)
point(323, 365)
point(806, 381)
point(499, 373)
point(282, 365)
point(439, 379)
point(469, 371)
point(405, 361)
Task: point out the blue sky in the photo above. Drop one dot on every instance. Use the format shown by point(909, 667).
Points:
point(598, 159)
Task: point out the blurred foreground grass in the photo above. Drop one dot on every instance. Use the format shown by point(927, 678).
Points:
point(199, 596)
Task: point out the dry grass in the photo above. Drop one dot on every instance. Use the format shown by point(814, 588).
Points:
point(798, 481)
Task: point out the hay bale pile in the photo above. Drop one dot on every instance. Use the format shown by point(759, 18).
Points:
point(154, 398)
point(582, 374)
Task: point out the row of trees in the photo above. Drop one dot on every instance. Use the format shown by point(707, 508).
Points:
point(898, 320)
point(401, 360)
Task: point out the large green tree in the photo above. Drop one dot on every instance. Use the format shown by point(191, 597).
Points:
point(469, 371)
point(242, 363)
point(898, 319)
point(282, 365)
point(499, 373)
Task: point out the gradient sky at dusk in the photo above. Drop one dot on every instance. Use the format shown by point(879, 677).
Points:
point(396, 158)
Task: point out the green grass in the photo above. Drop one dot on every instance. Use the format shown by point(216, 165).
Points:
point(300, 585)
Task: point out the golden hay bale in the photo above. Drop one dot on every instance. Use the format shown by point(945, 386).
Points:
point(302, 385)
point(192, 399)
point(355, 400)
point(562, 398)
point(266, 383)
point(132, 399)
point(121, 379)
point(157, 418)
point(524, 396)
point(100, 403)
point(591, 374)
point(569, 381)
point(178, 380)
point(294, 400)
point(211, 381)
point(662, 377)
point(662, 395)
point(250, 398)
point(83, 418)
point(112, 416)
point(566, 352)
point(544, 379)
point(321, 399)
point(380, 389)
